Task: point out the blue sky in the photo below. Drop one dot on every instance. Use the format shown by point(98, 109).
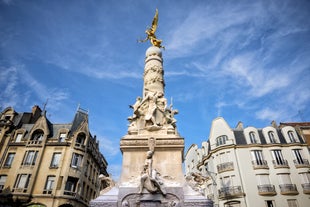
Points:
point(243, 60)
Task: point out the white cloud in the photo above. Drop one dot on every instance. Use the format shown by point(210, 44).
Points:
point(253, 76)
point(8, 82)
point(271, 114)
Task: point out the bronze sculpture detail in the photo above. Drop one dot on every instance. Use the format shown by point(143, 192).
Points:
point(150, 32)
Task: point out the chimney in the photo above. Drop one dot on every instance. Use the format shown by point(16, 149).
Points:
point(36, 113)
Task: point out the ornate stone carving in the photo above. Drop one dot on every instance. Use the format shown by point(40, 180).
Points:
point(151, 113)
point(150, 178)
point(106, 184)
point(156, 200)
point(197, 182)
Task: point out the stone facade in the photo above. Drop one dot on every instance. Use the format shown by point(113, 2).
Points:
point(248, 167)
point(46, 164)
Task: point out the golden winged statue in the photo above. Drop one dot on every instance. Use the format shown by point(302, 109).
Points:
point(150, 32)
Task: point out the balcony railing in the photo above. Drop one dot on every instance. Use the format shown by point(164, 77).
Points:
point(266, 189)
point(288, 189)
point(19, 190)
point(260, 164)
point(301, 163)
point(280, 164)
point(227, 166)
point(69, 193)
point(231, 192)
point(306, 188)
point(34, 142)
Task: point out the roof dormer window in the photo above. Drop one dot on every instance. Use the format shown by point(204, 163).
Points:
point(291, 136)
point(221, 140)
point(271, 137)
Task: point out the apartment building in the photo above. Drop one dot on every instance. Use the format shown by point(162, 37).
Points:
point(250, 167)
point(44, 164)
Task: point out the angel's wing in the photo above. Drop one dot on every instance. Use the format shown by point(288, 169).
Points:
point(155, 21)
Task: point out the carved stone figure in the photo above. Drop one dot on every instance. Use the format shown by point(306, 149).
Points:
point(197, 182)
point(106, 183)
point(150, 177)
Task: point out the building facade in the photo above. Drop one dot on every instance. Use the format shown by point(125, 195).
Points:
point(46, 164)
point(249, 167)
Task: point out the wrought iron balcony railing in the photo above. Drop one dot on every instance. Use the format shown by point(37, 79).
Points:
point(230, 192)
point(301, 163)
point(266, 189)
point(260, 164)
point(280, 163)
point(288, 189)
point(227, 166)
point(306, 188)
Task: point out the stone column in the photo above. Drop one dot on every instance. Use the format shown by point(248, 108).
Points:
point(153, 71)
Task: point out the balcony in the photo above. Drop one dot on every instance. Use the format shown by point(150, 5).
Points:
point(80, 146)
point(231, 192)
point(266, 190)
point(19, 190)
point(260, 164)
point(288, 189)
point(34, 143)
point(69, 193)
point(301, 163)
point(306, 188)
point(227, 166)
point(280, 164)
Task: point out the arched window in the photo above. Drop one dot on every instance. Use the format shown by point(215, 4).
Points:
point(271, 137)
point(252, 138)
point(291, 136)
point(37, 135)
point(80, 139)
point(221, 140)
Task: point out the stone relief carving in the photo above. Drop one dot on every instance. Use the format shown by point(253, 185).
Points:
point(156, 200)
point(106, 184)
point(150, 178)
point(151, 113)
point(197, 182)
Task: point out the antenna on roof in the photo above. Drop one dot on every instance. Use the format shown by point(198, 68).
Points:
point(85, 111)
point(44, 107)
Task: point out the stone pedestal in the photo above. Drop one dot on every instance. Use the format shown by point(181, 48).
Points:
point(152, 151)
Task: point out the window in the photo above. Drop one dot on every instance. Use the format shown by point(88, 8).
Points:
point(9, 160)
point(70, 186)
point(19, 137)
point(298, 157)
point(257, 157)
point(292, 203)
point(30, 157)
point(291, 136)
point(270, 203)
point(221, 140)
point(278, 158)
point(263, 179)
point(2, 181)
point(22, 181)
point(252, 138)
point(271, 137)
point(305, 177)
point(284, 178)
point(55, 160)
point(62, 137)
point(37, 135)
point(80, 139)
point(76, 160)
point(49, 185)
